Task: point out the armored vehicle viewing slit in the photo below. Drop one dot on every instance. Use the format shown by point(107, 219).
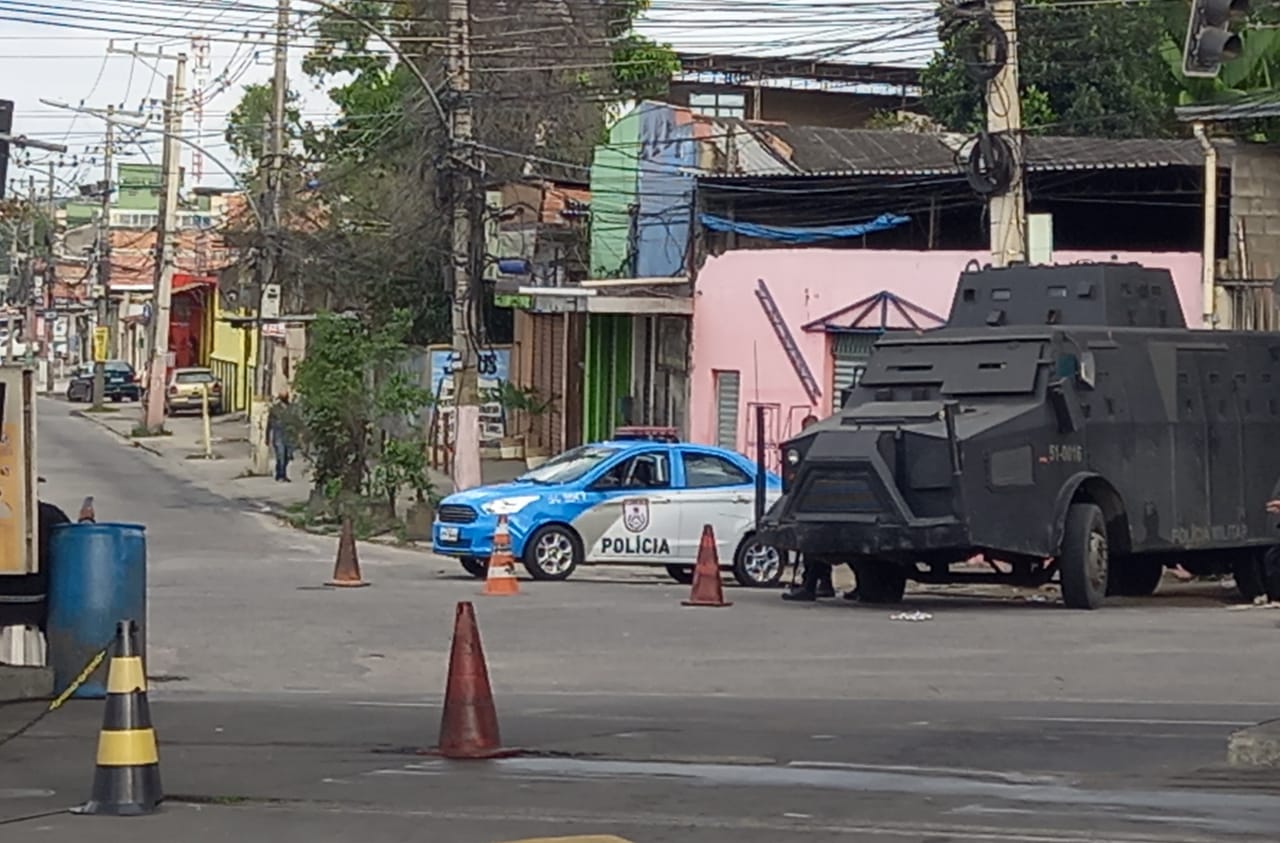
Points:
point(1066, 423)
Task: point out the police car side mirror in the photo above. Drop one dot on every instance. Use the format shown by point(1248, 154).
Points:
point(1088, 375)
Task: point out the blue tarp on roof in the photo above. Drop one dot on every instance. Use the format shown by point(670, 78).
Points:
point(808, 234)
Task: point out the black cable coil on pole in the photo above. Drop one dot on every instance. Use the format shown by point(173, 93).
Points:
point(992, 164)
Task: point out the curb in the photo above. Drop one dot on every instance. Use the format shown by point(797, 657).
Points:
point(126, 437)
point(22, 684)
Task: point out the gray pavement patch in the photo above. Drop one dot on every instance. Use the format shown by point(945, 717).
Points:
point(25, 793)
point(1256, 746)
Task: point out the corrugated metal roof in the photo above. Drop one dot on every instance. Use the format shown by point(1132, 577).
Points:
point(822, 151)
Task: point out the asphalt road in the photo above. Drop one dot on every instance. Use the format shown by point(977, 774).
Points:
point(289, 712)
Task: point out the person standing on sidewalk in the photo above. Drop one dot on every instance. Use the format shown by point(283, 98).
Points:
point(280, 435)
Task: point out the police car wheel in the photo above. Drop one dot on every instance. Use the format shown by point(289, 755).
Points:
point(477, 568)
point(756, 565)
point(552, 553)
point(682, 574)
point(1084, 561)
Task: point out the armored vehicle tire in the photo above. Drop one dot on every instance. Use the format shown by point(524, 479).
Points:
point(682, 574)
point(552, 553)
point(879, 582)
point(1135, 577)
point(1083, 563)
point(478, 568)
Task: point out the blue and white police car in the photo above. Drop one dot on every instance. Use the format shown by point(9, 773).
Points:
point(635, 500)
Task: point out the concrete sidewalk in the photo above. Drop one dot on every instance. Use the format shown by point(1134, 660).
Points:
point(229, 472)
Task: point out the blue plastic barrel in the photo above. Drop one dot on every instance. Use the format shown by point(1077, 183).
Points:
point(97, 576)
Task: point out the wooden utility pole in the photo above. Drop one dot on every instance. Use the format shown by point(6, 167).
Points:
point(167, 242)
point(103, 268)
point(1008, 211)
point(462, 171)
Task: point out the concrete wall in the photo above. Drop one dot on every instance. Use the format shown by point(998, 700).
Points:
point(796, 106)
point(667, 155)
point(1255, 204)
point(614, 175)
point(731, 332)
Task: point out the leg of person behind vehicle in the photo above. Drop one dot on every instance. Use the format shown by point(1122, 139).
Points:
point(815, 583)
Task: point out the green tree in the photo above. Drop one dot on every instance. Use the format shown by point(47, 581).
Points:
point(348, 386)
point(376, 238)
point(250, 121)
point(1086, 69)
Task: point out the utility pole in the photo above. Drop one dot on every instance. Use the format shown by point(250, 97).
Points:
point(48, 287)
point(271, 258)
point(103, 268)
point(29, 269)
point(462, 166)
point(1008, 210)
point(167, 242)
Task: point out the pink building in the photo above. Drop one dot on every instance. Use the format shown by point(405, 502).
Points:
point(739, 361)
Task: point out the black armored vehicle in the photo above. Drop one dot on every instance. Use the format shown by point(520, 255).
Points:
point(1064, 423)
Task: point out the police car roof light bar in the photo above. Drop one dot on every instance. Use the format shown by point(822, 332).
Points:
point(655, 434)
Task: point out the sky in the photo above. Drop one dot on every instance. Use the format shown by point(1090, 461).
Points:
point(57, 50)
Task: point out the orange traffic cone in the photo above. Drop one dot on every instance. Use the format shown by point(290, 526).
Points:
point(469, 724)
point(708, 589)
point(501, 580)
point(346, 570)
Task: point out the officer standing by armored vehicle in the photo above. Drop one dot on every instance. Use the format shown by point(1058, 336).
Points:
point(1065, 423)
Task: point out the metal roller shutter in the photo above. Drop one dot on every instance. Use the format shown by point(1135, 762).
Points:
point(728, 388)
point(850, 353)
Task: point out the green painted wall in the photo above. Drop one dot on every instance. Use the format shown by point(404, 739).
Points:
point(139, 187)
point(608, 375)
point(614, 176)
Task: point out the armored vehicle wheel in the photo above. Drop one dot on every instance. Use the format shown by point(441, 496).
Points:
point(879, 582)
point(682, 574)
point(1135, 577)
point(1083, 563)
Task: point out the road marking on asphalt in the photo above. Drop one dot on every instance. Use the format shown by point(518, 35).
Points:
point(960, 772)
point(1134, 721)
point(590, 838)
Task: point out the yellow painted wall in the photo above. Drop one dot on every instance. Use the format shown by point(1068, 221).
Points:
point(227, 355)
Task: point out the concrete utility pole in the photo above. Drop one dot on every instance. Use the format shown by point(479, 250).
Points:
point(466, 463)
point(167, 241)
point(1008, 212)
point(29, 268)
point(103, 268)
point(271, 258)
point(48, 301)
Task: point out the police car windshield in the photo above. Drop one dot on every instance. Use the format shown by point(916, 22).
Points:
point(570, 466)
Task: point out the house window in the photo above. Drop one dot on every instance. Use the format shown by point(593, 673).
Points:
point(728, 386)
point(719, 105)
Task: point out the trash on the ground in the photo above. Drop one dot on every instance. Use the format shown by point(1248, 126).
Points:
point(914, 617)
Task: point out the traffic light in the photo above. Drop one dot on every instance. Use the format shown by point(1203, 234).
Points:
point(1210, 41)
point(6, 126)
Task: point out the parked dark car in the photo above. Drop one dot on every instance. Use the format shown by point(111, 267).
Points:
point(120, 383)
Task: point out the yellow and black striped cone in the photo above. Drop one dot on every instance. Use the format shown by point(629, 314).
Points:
point(127, 780)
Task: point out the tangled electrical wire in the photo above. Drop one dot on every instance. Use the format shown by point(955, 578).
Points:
point(981, 42)
point(991, 165)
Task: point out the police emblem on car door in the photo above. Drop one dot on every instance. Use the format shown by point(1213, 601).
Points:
point(635, 514)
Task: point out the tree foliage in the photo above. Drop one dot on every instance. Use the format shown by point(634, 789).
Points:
point(370, 229)
point(348, 385)
point(1085, 69)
